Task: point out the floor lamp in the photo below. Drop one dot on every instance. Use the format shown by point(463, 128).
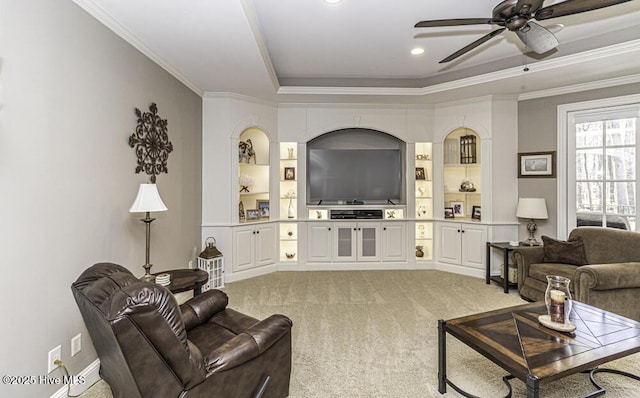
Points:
point(148, 200)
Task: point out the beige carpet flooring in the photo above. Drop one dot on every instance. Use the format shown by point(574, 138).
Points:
point(374, 334)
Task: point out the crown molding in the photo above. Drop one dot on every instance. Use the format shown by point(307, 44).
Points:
point(595, 85)
point(586, 56)
point(239, 97)
point(103, 17)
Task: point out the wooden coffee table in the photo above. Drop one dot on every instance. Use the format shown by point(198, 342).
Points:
point(514, 340)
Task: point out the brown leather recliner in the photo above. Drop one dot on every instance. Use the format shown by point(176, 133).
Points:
point(150, 347)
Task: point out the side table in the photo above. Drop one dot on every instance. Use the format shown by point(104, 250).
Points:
point(506, 249)
point(186, 279)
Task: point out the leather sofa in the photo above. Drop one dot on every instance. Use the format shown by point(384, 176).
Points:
point(610, 280)
point(150, 347)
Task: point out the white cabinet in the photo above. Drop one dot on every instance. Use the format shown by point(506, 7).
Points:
point(319, 239)
point(356, 241)
point(346, 241)
point(254, 246)
point(394, 241)
point(461, 244)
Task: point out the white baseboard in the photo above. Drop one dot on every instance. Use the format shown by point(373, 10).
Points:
point(90, 375)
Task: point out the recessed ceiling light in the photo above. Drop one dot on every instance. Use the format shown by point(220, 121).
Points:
point(332, 1)
point(417, 51)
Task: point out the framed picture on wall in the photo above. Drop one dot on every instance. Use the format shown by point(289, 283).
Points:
point(420, 173)
point(537, 164)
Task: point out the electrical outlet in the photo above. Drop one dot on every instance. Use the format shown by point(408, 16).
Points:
point(76, 344)
point(54, 354)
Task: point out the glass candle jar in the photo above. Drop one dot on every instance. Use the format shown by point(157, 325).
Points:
point(557, 297)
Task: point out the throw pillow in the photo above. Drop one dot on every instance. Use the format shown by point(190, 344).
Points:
point(565, 252)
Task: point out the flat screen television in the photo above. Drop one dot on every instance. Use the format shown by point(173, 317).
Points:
point(350, 175)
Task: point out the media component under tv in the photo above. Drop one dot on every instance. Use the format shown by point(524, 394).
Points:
point(354, 176)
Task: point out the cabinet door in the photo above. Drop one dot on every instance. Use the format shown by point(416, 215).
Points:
point(265, 238)
point(243, 248)
point(368, 242)
point(394, 241)
point(449, 243)
point(319, 239)
point(344, 239)
point(474, 243)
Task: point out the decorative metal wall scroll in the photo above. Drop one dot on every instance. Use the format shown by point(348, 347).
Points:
point(151, 143)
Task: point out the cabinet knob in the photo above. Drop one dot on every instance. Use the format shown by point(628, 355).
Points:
point(329, 228)
point(259, 232)
point(458, 230)
point(384, 229)
point(463, 231)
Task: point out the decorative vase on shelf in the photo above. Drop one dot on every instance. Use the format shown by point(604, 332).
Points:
point(419, 252)
point(291, 211)
point(557, 297)
point(290, 153)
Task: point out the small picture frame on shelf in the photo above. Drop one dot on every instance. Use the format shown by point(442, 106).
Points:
point(458, 209)
point(475, 213)
point(289, 173)
point(420, 173)
point(448, 212)
point(253, 214)
point(263, 206)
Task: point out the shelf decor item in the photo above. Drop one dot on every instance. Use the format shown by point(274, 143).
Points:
point(211, 261)
point(448, 212)
point(420, 173)
point(147, 200)
point(419, 251)
point(458, 209)
point(263, 206)
point(467, 186)
point(245, 182)
point(246, 153)
point(468, 149)
point(289, 173)
point(291, 211)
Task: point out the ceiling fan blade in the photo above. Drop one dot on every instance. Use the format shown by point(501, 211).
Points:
point(453, 22)
point(537, 38)
point(570, 7)
point(473, 45)
point(527, 6)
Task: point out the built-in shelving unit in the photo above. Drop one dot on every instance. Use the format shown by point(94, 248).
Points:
point(253, 176)
point(288, 178)
point(462, 173)
point(424, 200)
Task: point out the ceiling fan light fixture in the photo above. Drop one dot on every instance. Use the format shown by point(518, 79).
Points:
point(332, 1)
point(417, 51)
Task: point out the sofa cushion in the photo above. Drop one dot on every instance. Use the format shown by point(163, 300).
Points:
point(564, 252)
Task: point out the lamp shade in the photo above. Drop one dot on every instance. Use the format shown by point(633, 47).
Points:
point(533, 208)
point(148, 199)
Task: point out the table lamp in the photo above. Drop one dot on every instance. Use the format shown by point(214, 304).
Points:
point(533, 209)
point(148, 200)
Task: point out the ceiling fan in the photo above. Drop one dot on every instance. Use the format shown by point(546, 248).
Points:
point(517, 15)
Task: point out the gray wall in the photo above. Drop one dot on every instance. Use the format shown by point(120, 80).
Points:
point(537, 131)
point(68, 89)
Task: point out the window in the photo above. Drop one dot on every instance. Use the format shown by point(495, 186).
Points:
point(600, 167)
